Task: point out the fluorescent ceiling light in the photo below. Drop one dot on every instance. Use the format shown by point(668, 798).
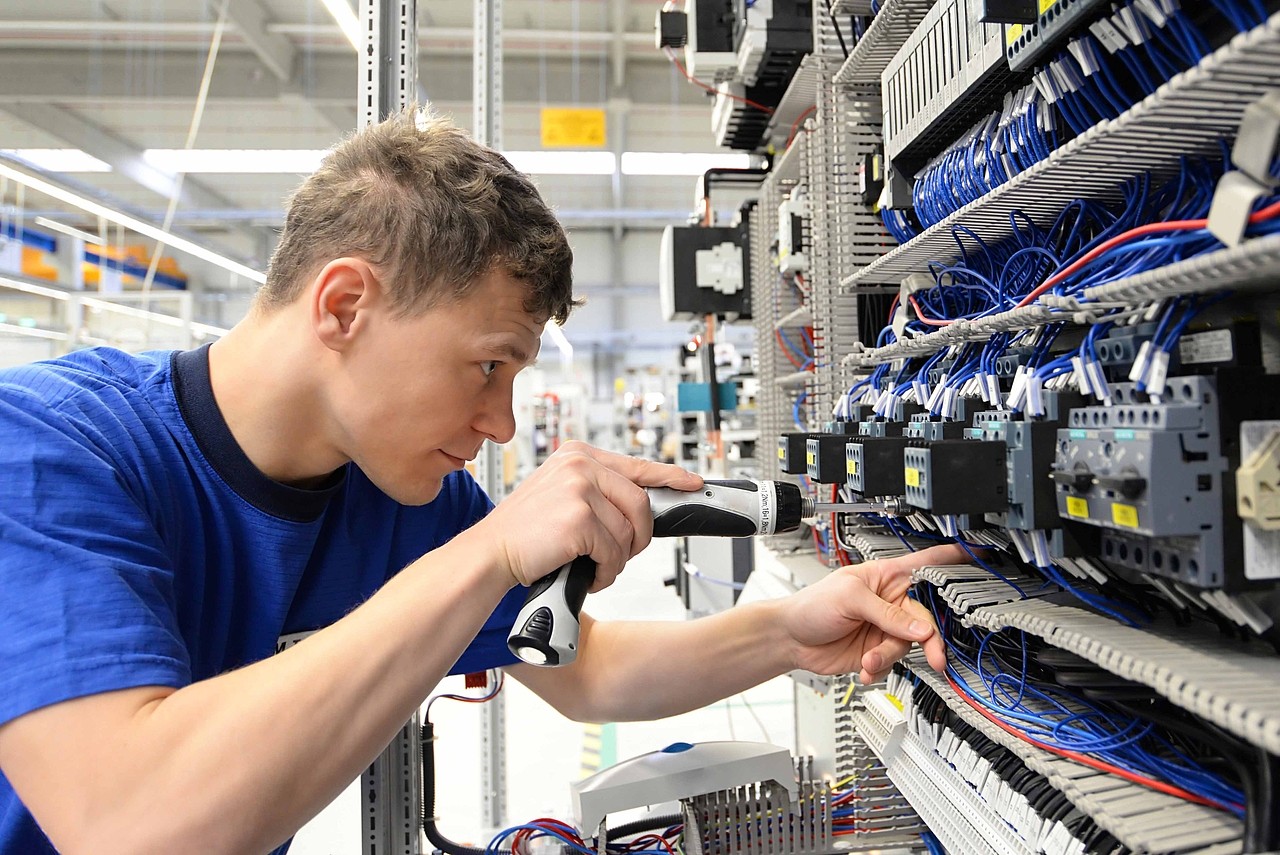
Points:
point(679, 163)
point(69, 231)
point(346, 19)
point(154, 232)
point(300, 161)
point(563, 162)
point(59, 159)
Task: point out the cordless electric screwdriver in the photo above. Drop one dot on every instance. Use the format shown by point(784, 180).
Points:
point(546, 630)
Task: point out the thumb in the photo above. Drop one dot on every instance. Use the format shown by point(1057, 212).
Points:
point(897, 621)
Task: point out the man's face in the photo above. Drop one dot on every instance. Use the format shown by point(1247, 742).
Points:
point(423, 393)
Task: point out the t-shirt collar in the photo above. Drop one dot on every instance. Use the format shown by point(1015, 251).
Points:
point(194, 392)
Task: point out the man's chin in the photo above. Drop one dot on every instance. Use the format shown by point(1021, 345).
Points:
point(416, 495)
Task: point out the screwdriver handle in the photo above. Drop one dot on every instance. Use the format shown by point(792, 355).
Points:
point(545, 631)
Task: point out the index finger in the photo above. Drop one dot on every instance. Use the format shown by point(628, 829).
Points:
point(646, 473)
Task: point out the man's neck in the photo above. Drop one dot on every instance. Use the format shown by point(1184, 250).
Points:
point(268, 393)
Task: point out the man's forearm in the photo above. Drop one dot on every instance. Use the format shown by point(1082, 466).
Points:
point(237, 763)
point(636, 670)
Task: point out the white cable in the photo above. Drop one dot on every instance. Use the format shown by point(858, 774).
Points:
point(192, 131)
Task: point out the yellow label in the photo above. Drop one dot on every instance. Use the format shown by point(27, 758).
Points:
point(810, 458)
point(572, 128)
point(782, 454)
point(1125, 515)
point(1011, 33)
point(913, 477)
point(1077, 507)
point(851, 467)
point(893, 699)
point(1046, 5)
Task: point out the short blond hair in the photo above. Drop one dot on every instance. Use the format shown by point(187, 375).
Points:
point(433, 210)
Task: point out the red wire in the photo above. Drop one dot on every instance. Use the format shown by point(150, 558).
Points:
point(892, 307)
point(762, 108)
point(786, 350)
point(1258, 216)
point(792, 135)
point(1151, 228)
point(920, 315)
point(1086, 760)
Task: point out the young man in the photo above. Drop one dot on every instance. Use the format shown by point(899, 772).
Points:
point(165, 518)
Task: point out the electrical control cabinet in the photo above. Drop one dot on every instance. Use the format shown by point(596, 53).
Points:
point(1055, 325)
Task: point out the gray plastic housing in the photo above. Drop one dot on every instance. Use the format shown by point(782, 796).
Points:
point(667, 775)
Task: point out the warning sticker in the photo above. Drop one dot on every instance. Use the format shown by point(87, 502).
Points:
point(1125, 515)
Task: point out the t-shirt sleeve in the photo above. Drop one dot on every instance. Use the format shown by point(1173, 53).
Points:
point(86, 583)
point(489, 649)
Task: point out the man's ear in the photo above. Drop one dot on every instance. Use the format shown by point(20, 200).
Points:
point(343, 294)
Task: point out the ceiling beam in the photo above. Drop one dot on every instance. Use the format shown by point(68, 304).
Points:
point(73, 75)
point(276, 52)
point(122, 156)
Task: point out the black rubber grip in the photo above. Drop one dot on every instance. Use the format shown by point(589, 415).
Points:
point(582, 574)
point(692, 520)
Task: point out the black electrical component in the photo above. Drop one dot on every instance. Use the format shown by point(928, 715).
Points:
point(873, 466)
point(824, 458)
point(791, 452)
point(956, 476)
point(671, 29)
point(1010, 12)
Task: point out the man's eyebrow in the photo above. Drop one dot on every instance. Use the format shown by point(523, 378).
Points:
point(511, 351)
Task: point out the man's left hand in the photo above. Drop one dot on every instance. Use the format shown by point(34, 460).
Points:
point(860, 618)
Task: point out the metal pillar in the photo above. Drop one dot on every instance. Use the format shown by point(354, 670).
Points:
point(391, 788)
point(486, 96)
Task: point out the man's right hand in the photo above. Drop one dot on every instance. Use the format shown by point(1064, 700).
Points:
point(581, 501)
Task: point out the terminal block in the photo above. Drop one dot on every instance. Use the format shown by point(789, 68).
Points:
point(926, 427)
point(955, 476)
point(824, 457)
point(1151, 476)
point(873, 465)
point(893, 426)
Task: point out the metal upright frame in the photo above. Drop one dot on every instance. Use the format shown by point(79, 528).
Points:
point(391, 788)
point(487, 129)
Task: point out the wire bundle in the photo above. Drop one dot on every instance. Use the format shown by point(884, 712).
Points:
point(1022, 134)
point(1018, 693)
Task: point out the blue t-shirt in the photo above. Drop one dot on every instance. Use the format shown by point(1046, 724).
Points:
point(140, 546)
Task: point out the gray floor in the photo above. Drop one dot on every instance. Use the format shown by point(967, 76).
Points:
point(545, 750)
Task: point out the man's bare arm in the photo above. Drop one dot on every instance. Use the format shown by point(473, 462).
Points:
point(856, 620)
point(239, 762)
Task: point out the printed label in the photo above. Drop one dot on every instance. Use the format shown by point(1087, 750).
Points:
point(1046, 5)
point(810, 458)
point(1125, 515)
point(851, 467)
point(1076, 433)
point(782, 454)
point(1211, 346)
point(1011, 33)
point(912, 477)
point(1077, 507)
point(1124, 434)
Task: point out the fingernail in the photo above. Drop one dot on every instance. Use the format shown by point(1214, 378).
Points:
point(918, 627)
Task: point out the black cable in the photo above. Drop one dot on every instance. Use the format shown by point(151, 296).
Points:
point(836, 24)
point(649, 823)
point(444, 844)
point(437, 839)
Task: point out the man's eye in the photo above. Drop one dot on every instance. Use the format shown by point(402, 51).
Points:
point(489, 367)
